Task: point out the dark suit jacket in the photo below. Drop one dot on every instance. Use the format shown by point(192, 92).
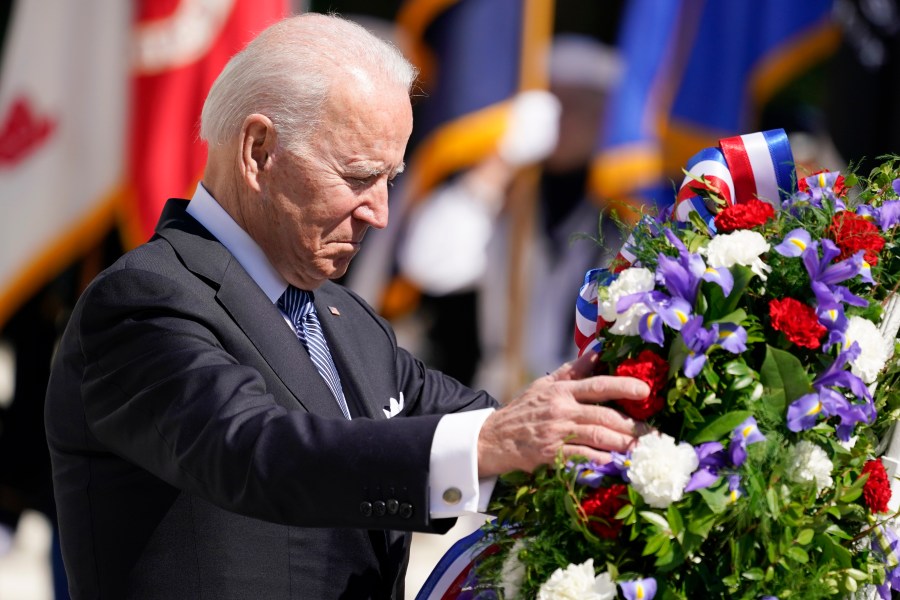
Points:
point(197, 453)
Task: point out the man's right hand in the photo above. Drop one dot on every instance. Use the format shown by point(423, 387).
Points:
point(557, 411)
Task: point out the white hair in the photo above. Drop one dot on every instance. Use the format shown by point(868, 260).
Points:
point(286, 74)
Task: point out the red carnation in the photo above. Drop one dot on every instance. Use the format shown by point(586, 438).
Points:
point(877, 489)
point(746, 215)
point(853, 233)
point(603, 504)
point(651, 369)
point(797, 321)
point(839, 188)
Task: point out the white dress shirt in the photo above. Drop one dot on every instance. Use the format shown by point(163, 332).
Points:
point(453, 472)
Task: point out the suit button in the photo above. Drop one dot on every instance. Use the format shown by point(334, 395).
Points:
point(366, 509)
point(378, 508)
point(392, 506)
point(406, 510)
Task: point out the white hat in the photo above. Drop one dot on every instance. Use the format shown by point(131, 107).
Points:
point(580, 60)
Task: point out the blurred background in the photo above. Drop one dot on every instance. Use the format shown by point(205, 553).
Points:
point(539, 126)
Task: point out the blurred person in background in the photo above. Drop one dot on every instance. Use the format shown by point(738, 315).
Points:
point(461, 238)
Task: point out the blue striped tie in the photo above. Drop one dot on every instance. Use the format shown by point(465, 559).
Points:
point(299, 308)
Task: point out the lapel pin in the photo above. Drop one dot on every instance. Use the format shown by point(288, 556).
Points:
point(333, 310)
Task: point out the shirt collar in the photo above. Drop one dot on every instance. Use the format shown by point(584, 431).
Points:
point(247, 252)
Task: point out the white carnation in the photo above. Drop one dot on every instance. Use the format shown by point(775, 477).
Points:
point(874, 350)
point(577, 582)
point(660, 469)
point(630, 281)
point(512, 574)
point(741, 247)
point(809, 463)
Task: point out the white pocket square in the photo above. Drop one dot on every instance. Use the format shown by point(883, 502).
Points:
point(394, 407)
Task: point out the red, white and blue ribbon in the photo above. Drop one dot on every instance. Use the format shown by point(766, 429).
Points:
point(756, 165)
point(586, 324)
point(454, 576)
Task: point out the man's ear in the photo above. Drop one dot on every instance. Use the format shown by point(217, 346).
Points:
point(258, 141)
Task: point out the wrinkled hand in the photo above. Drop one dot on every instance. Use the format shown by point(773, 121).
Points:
point(560, 411)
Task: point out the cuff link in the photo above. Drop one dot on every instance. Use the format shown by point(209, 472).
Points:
point(452, 495)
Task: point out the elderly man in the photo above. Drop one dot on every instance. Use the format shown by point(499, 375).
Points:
point(225, 422)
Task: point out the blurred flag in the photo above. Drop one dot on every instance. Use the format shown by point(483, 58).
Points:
point(99, 115)
point(698, 71)
point(180, 46)
point(62, 122)
point(474, 56)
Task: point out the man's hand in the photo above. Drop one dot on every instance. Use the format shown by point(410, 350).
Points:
point(560, 411)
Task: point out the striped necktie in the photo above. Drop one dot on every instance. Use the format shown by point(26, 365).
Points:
point(299, 308)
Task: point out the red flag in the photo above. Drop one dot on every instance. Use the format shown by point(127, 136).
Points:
point(181, 46)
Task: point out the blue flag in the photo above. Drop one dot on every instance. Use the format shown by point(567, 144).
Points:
point(474, 56)
point(698, 71)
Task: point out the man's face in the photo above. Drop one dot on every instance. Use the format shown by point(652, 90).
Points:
point(315, 209)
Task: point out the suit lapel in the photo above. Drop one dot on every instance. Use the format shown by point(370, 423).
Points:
point(264, 326)
point(250, 309)
point(348, 352)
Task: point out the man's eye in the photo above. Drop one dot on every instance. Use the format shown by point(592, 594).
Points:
point(361, 181)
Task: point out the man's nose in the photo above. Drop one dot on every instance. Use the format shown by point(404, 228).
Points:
point(374, 211)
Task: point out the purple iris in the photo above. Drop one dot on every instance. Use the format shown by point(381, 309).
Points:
point(804, 412)
point(794, 243)
point(586, 473)
point(821, 187)
point(831, 316)
point(618, 466)
point(884, 545)
point(732, 337)
point(887, 215)
point(826, 274)
point(639, 589)
point(698, 340)
point(674, 312)
point(682, 276)
point(735, 490)
point(743, 435)
point(712, 460)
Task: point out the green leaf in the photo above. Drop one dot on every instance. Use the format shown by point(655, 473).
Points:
point(798, 554)
point(719, 305)
point(676, 523)
point(805, 537)
point(736, 316)
point(654, 543)
point(717, 502)
point(656, 519)
point(521, 492)
point(624, 512)
point(755, 574)
point(783, 377)
point(738, 368)
point(720, 427)
point(701, 522)
point(850, 496)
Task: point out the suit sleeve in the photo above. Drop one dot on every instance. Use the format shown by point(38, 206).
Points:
point(161, 392)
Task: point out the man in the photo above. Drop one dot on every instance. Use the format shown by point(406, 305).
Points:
point(199, 448)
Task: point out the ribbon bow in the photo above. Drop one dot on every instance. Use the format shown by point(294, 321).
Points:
point(741, 168)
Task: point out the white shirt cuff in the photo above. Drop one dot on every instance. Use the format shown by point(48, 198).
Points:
point(454, 487)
